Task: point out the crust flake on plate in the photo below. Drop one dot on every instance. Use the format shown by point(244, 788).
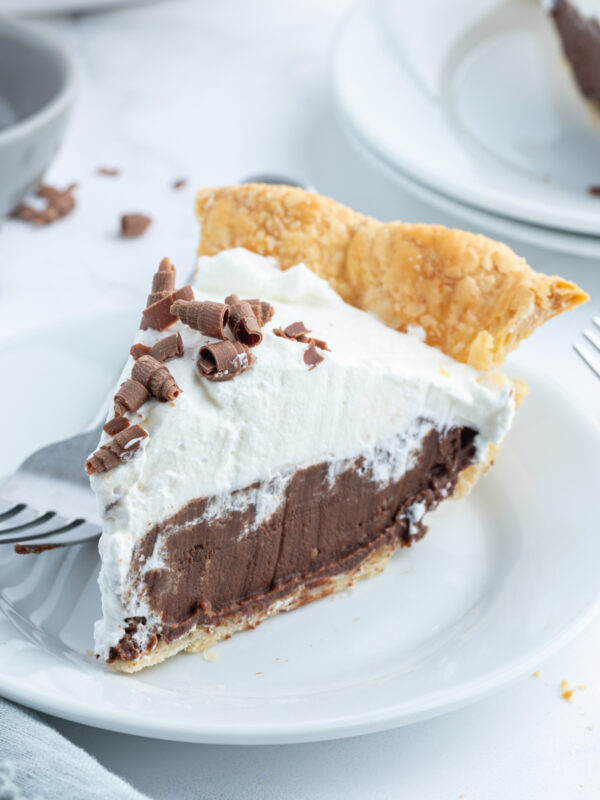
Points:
point(473, 296)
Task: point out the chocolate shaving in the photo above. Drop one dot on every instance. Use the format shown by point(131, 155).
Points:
point(59, 203)
point(110, 172)
point(263, 311)
point(134, 225)
point(179, 183)
point(207, 317)
point(33, 549)
point(115, 425)
point(121, 449)
point(222, 361)
point(295, 330)
point(243, 323)
point(322, 345)
point(169, 347)
point(312, 357)
point(139, 349)
point(594, 190)
point(156, 378)
point(130, 396)
point(158, 315)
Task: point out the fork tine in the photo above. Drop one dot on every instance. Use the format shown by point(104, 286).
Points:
point(592, 362)
point(82, 533)
point(25, 521)
point(593, 338)
point(11, 510)
point(54, 525)
point(596, 321)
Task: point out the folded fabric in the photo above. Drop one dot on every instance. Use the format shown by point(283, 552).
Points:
point(37, 763)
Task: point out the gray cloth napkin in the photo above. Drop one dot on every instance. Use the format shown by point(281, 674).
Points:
point(37, 763)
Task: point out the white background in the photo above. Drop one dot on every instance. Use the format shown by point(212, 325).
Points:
point(213, 91)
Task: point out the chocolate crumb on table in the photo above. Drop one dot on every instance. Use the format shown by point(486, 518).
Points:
point(59, 203)
point(594, 190)
point(179, 183)
point(133, 225)
point(110, 172)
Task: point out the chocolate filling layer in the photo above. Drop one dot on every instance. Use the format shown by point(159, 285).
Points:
point(581, 44)
point(216, 568)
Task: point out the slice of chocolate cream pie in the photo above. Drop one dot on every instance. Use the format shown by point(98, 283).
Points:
point(284, 423)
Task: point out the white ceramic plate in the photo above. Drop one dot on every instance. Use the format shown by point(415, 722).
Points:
point(29, 7)
point(508, 229)
point(477, 106)
point(502, 580)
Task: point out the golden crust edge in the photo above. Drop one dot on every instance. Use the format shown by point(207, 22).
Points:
point(474, 297)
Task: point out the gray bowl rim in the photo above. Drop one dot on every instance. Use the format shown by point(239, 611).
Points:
point(61, 101)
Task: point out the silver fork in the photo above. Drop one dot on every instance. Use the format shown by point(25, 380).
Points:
point(588, 354)
point(62, 509)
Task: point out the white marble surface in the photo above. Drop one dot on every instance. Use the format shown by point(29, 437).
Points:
point(213, 91)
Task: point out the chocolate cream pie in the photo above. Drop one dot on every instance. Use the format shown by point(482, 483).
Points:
point(577, 23)
point(283, 424)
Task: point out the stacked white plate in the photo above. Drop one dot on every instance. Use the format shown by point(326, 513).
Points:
point(470, 107)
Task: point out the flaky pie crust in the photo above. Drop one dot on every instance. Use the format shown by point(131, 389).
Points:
point(474, 297)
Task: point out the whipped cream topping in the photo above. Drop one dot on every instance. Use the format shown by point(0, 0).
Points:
point(376, 394)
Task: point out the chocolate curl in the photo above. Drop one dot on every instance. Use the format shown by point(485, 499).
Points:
point(139, 349)
point(169, 347)
point(131, 395)
point(312, 357)
point(121, 449)
point(207, 317)
point(158, 315)
point(115, 425)
point(156, 378)
point(163, 282)
point(263, 311)
point(320, 343)
point(243, 324)
point(222, 361)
